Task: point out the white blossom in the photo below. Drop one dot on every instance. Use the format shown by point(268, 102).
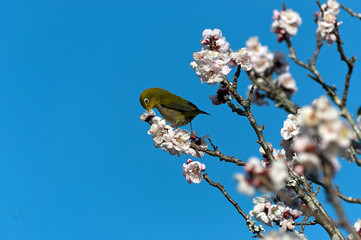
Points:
point(287, 20)
point(243, 185)
point(210, 66)
point(159, 129)
point(278, 174)
point(261, 57)
point(242, 59)
point(192, 171)
point(326, 25)
point(214, 41)
point(332, 5)
point(287, 82)
point(290, 127)
point(288, 224)
point(147, 115)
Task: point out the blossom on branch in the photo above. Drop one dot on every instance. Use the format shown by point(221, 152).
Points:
point(269, 178)
point(261, 57)
point(327, 22)
point(317, 135)
point(286, 82)
point(285, 22)
point(192, 171)
point(241, 58)
point(332, 5)
point(269, 214)
point(214, 41)
point(175, 141)
point(211, 66)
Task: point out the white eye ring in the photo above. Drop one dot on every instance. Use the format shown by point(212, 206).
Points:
point(146, 100)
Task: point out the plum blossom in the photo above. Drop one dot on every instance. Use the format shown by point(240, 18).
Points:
point(288, 224)
point(176, 142)
point(265, 179)
point(290, 127)
point(211, 66)
point(147, 115)
point(261, 57)
point(285, 22)
point(242, 59)
point(357, 227)
point(192, 171)
point(332, 5)
point(159, 129)
point(321, 136)
point(266, 212)
point(243, 186)
point(214, 41)
point(260, 209)
point(326, 25)
point(286, 81)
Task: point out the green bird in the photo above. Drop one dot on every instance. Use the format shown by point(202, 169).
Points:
point(176, 110)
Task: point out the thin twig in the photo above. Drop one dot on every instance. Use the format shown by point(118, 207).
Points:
point(229, 198)
point(348, 61)
point(217, 153)
point(352, 13)
point(347, 199)
point(329, 89)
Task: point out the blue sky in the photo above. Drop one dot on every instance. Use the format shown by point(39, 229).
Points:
point(76, 161)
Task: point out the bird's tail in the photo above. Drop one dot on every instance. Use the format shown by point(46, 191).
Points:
point(203, 112)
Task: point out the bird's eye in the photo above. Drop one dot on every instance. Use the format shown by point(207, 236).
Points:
point(146, 100)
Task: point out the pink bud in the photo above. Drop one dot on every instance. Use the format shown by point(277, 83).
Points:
point(189, 161)
point(203, 167)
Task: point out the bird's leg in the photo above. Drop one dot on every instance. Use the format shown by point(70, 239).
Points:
point(192, 134)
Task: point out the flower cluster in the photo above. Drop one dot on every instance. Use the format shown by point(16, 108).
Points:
point(265, 178)
point(261, 56)
point(264, 64)
point(269, 214)
point(357, 227)
point(327, 21)
point(211, 64)
point(317, 135)
point(214, 41)
point(285, 23)
point(192, 171)
point(175, 141)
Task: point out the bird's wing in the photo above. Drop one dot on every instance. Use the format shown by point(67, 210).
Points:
point(189, 107)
